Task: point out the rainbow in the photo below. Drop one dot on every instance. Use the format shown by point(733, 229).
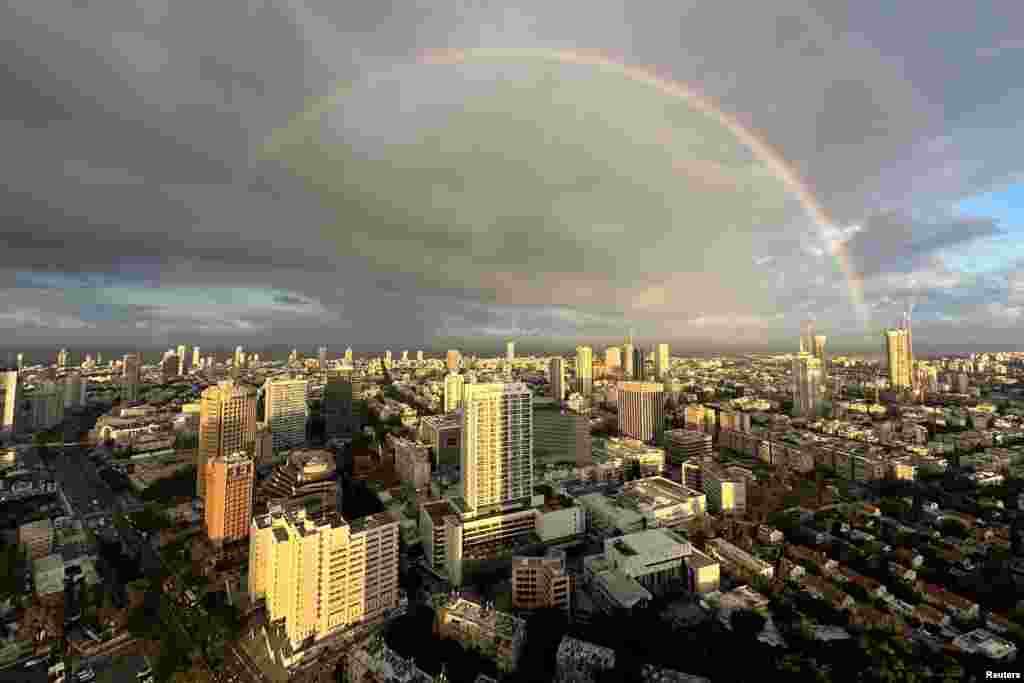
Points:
point(649, 76)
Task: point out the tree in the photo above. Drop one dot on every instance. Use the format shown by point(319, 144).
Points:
point(634, 471)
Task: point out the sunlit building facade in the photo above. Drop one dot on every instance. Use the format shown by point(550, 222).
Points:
point(642, 410)
point(227, 424)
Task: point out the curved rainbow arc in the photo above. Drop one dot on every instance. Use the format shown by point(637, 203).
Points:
point(761, 149)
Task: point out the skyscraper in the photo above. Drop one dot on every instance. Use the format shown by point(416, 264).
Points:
point(807, 386)
point(627, 356)
point(557, 378)
point(819, 349)
point(348, 355)
point(387, 359)
point(21, 361)
point(321, 357)
point(62, 358)
point(642, 410)
point(897, 347)
point(454, 387)
point(453, 359)
point(182, 354)
point(228, 499)
point(239, 357)
point(293, 357)
point(405, 356)
point(661, 361)
point(227, 424)
point(285, 404)
point(497, 446)
point(10, 390)
point(510, 351)
point(585, 370)
point(131, 377)
point(342, 415)
point(419, 356)
point(197, 360)
point(613, 357)
point(807, 336)
point(639, 365)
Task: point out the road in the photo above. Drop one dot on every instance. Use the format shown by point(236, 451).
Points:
point(82, 484)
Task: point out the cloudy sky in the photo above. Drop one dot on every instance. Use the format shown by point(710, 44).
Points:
point(296, 172)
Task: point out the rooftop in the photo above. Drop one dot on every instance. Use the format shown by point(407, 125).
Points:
point(502, 624)
point(653, 543)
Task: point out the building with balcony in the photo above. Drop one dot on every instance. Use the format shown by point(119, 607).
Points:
point(684, 445)
point(308, 478)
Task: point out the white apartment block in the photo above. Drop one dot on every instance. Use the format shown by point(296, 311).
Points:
point(285, 402)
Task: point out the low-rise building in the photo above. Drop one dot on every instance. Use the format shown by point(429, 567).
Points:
point(375, 662)
point(704, 573)
point(726, 491)
point(36, 538)
point(578, 661)
point(497, 635)
point(736, 557)
point(541, 582)
point(986, 643)
point(687, 445)
point(443, 434)
point(613, 591)
point(412, 461)
point(655, 558)
point(768, 535)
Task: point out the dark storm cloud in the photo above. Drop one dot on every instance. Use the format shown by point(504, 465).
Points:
point(132, 136)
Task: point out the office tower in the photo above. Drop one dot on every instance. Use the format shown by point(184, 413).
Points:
point(585, 370)
point(239, 360)
point(510, 351)
point(453, 359)
point(497, 446)
point(557, 378)
point(254, 360)
point(45, 406)
point(320, 576)
point(419, 356)
point(321, 358)
point(75, 389)
point(88, 362)
point(348, 355)
point(197, 360)
point(131, 377)
point(807, 386)
point(10, 395)
point(293, 357)
point(639, 365)
point(286, 411)
point(560, 435)
point(807, 336)
point(227, 424)
point(342, 414)
point(454, 388)
point(819, 349)
point(628, 352)
point(62, 358)
point(661, 361)
point(21, 361)
point(228, 501)
point(182, 354)
point(169, 367)
point(387, 359)
point(613, 357)
point(897, 346)
point(642, 410)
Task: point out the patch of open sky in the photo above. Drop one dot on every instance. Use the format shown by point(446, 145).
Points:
point(1006, 207)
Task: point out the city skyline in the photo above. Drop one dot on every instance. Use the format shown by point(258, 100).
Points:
point(651, 165)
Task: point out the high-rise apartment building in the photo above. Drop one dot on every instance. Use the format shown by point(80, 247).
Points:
point(497, 446)
point(541, 582)
point(341, 407)
point(808, 384)
point(454, 388)
point(227, 424)
point(405, 356)
point(348, 355)
point(21, 361)
point(419, 356)
point(387, 359)
point(321, 358)
point(612, 358)
point(10, 395)
point(557, 378)
point(321, 576)
point(642, 410)
point(897, 347)
point(239, 361)
point(182, 354)
point(63, 358)
point(453, 359)
point(661, 362)
point(229, 496)
point(131, 377)
point(585, 370)
point(640, 365)
point(510, 351)
point(807, 336)
point(285, 404)
point(560, 435)
point(197, 359)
